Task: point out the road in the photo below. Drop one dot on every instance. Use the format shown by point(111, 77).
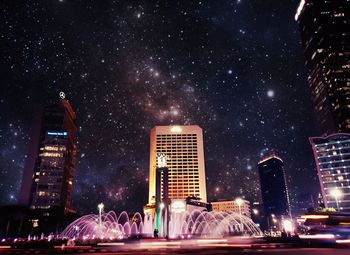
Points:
point(278, 251)
point(205, 251)
point(235, 246)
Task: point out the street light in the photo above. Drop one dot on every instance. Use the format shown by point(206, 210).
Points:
point(100, 207)
point(336, 193)
point(274, 221)
point(239, 202)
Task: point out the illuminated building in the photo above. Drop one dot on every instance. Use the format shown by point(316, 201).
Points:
point(230, 206)
point(325, 35)
point(50, 164)
point(183, 148)
point(332, 156)
point(162, 201)
point(273, 185)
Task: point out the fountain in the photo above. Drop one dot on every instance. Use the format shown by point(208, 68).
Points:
point(196, 223)
point(104, 226)
point(212, 224)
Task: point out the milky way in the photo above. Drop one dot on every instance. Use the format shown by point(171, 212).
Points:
point(235, 68)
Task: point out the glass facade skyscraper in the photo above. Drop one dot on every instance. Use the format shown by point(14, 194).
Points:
point(332, 156)
point(273, 186)
point(50, 164)
point(325, 35)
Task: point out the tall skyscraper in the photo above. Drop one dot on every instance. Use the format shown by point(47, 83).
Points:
point(325, 35)
point(332, 156)
point(183, 147)
point(273, 186)
point(50, 164)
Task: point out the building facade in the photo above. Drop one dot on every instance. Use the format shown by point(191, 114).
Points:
point(231, 206)
point(183, 148)
point(50, 165)
point(273, 185)
point(332, 157)
point(325, 35)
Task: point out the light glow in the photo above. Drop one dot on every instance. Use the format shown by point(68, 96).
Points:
point(300, 8)
point(110, 244)
point(317, 236)
point(343, 241)
point(100, 206)
point(239, 201)
point(162, 206)
point(176, 129)
point(314, 217)
point(212, 241)
point(57, 133)
point(178, 206)
point(336, 193)
point(288, 226)
point(51, 154)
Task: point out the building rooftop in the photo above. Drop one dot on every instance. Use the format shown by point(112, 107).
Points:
point(269, 155)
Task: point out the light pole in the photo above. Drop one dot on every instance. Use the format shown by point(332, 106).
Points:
point(336, 193)
point(100, 207)
point(274, 221)
point(239, 202)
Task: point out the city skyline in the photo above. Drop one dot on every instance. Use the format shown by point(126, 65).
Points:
point(238, 74)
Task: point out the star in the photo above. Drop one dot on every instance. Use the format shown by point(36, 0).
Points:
point(270, 93)
point(126, 68)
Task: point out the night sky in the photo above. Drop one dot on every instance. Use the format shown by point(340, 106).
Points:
point(235, 68)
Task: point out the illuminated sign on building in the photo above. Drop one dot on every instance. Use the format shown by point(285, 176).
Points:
point(58, 133)
point(176, 129)
point(178, 206)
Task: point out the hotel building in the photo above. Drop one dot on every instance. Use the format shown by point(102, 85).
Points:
point(332, 156)
point(183, 148)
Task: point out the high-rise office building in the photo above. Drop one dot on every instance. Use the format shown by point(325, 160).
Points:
point(325, 35)
point(332, 156)
point(274, 191)
point(50, 164)
point(183, 148)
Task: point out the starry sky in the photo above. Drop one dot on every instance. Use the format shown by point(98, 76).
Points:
point(235, 68)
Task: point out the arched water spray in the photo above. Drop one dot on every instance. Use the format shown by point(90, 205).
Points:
point(186, 224)
point(110, 227)
point(211, 224)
